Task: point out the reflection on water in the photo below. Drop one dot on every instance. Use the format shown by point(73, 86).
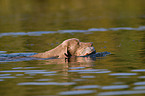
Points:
point(78, 92)
point(116, 69)
point(121, 93)
point(115, 87)
point(123, 74)
point(139, 83)
point(139, 87)
point(46, 83)
point(80, 78)
point(87, 87)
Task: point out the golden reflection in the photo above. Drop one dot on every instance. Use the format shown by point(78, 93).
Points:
point(77, 60)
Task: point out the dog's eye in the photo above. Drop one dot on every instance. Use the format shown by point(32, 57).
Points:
point(79, 43)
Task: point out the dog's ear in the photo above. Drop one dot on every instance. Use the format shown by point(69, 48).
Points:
point(69, 47)
point(67, 54)
point(64, 50)
point(73, 46)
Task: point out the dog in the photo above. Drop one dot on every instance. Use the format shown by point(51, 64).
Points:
point(68, 48)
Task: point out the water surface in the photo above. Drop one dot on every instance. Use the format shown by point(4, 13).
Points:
point(114, 26)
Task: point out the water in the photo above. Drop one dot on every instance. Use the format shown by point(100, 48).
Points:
point(114, 26)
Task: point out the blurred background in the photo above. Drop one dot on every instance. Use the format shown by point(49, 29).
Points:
point(44, 15)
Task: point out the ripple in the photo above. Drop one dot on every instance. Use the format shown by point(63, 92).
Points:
point(46, 83)
point(72, 31)
point(17, 68)
point(31, 72)
point(43, 79)
point(78, 92)
point(88, 77)
point(49, 74)
point(16, 54)
point(39, 33)
point(123, 74)
point(141, 77)
point(19, 74)
point(87, 86)
point(3, 52)
point(97, 29)
point(8, 77)
point(139, 83)
point(115, 87)
point(79, 80)
point(36, 33)
point(139, 70)
point(5, 74)
point(35, 72)
point(1, 79)
point(87, 70)
point(29, 67)
point(77, 67)
point(11, 71)
point(139, 87)
point(24, 67)
point(121, 92)
point(28, 71)
point(91, 71)
point(97, 72)
point(122, 28)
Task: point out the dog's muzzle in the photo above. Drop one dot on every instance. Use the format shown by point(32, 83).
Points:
point(87, 51)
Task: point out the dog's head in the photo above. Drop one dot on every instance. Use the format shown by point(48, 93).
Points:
point(77, 48)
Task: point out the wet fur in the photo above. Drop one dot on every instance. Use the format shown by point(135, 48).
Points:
point(68, 48)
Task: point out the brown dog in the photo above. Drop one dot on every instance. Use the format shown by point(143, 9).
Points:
point(68, 48)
